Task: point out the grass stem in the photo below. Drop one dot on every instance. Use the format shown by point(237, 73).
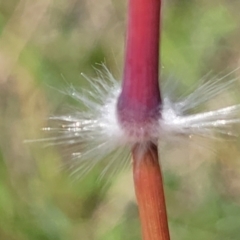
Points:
point(149, 190)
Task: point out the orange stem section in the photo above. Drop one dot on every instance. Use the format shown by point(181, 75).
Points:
point(150, 193)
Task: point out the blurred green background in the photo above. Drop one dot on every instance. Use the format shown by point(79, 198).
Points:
point(46, 43)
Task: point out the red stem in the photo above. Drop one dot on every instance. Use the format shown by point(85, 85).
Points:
point(139, 111)
point(140, 98)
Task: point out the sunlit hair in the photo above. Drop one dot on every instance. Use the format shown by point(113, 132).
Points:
point(94, 133)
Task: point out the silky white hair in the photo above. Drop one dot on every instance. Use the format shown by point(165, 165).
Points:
point(94, 133)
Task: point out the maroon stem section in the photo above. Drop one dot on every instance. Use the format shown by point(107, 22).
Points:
point(140, 95)
point(150, 194)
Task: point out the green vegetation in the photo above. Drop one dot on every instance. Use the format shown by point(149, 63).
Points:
point(46, 44)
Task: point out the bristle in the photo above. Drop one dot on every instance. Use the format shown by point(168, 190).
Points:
point(94, 134)
point(183, 116)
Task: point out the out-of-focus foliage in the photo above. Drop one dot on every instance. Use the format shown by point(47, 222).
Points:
point(46, 43)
